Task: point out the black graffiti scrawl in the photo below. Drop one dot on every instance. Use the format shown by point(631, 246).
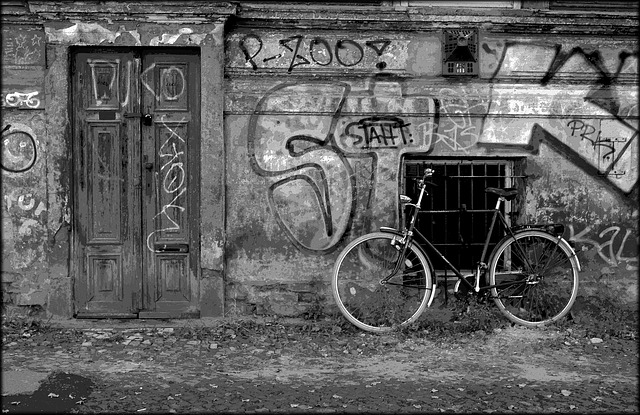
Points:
point(305, 163)
point(327, 150)
point(19, 150)
point(593, 124)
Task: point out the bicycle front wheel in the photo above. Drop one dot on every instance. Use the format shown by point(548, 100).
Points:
point(535, 276)
point(378, 306)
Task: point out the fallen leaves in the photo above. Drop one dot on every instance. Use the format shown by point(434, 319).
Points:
point(298, 406)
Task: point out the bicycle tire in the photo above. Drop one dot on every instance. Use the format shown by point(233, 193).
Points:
point(541, 274)
point(367, 303)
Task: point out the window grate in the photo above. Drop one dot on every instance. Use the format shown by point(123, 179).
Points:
point(447, 216)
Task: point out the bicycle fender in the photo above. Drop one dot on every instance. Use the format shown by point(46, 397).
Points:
point(562, 241)
point(575, 256)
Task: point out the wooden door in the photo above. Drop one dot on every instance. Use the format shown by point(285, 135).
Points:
point(136, 140)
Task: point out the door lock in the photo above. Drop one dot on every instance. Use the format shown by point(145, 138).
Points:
point(148, 166)
point(147, 119)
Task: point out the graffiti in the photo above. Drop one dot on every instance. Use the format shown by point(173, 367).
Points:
point(608, 156)
point(19, 149)
point(327, 147)
point(458, 127)
point(604, 147)
point(104, 78)
point(612, 246)
point(379, 132)
point(324, 166)
point(585, 132)
point(244, 45)
point(315, 51)
point(19, 99)
point(22, 46)
point(171, 154)
point(314, 161)
point(172, 82)
point(128, 83)
point(25, 203)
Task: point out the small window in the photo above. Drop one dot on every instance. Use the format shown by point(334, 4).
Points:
point(446, 218)
point(460, 52)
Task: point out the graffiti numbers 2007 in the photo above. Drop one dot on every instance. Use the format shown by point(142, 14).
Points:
point(317, 51)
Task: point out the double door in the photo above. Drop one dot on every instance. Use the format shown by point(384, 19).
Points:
point(136, 135)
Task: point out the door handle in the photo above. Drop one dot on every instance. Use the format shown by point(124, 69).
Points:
point(147, 119)
point(148, 166)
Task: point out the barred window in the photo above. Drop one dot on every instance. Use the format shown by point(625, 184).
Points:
point(447, 218)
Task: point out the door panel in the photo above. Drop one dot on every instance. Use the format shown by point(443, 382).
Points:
point(104, 199)
point(136, 194)
point(171, 106)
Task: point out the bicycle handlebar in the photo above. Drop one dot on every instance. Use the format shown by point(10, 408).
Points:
point(427, 173)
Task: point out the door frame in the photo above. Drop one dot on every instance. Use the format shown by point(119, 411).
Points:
point(194, 189)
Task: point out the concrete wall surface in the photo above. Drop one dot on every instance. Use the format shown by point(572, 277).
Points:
point(307, 116)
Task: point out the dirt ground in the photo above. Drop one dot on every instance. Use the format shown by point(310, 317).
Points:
point(170, 367)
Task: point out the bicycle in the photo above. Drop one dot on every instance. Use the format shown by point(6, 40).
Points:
point(385, 280)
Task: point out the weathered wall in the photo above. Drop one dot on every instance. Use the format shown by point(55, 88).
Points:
point(37, 158)
point(25, 207)
point(302, 143)
point(316, 134)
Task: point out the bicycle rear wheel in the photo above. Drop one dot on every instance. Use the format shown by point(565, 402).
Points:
point(361, 297)
point(536, 276)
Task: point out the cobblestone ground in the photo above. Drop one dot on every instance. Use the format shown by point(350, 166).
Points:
point(295, 368)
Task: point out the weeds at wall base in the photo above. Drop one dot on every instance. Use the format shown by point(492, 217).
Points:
point(590, 317)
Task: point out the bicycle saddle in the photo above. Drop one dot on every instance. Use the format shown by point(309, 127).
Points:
point(508, 193)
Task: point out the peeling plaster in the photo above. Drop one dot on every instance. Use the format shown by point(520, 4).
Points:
point(170, 39)
point(25, 228)
point(213, 255)
point(88, 33)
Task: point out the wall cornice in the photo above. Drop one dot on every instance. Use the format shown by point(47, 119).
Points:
point(437, 18)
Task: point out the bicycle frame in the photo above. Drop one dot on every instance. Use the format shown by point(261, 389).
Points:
point(481, 266)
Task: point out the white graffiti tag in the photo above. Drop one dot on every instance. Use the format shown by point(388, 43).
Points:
point(605, 246)
point(173, 181)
